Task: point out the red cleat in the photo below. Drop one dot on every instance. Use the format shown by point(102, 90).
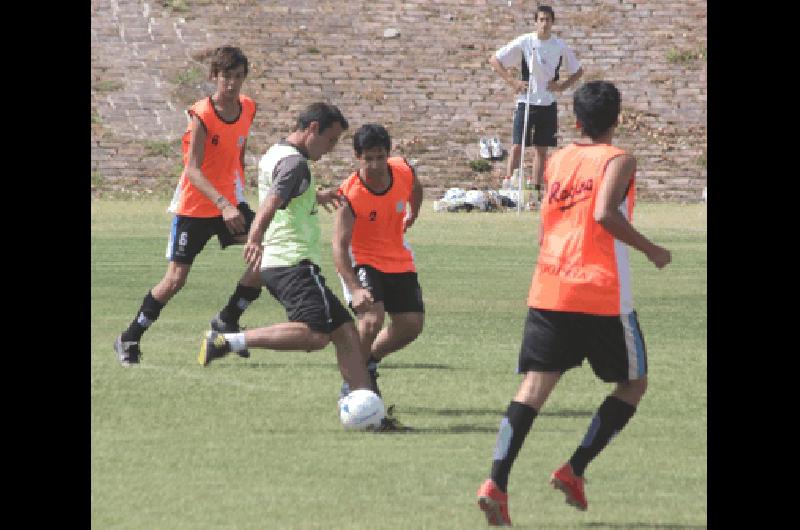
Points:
point(494, 504)
point(572, 485)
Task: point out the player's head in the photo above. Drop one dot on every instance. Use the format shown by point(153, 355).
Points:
point(544, 11)
point(369, 136)
point(596, 105)
point(226, 59)
point(320, 125)
point(372, 144)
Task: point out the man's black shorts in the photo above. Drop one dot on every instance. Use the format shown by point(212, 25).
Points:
point(302, 291)
point(543, 120)
point(555, 341)
point(400, 292)
point(188, 235)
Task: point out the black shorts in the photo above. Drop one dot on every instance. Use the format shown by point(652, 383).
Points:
point(555, 341)
point(542, 120)
point(302, 291)
point(188, 235)
point(399, 291)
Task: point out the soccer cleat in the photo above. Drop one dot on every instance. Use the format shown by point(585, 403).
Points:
point(220, 326)
point(213, 347)
point(571, 485)
point(494, 504)
point(497, 148)
point(128, 352)
point(485, 149)
point(391, 424)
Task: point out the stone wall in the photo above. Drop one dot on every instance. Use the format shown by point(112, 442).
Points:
point(430, 85)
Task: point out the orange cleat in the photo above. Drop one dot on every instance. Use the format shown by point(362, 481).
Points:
point(494, 504)
point(571, 485)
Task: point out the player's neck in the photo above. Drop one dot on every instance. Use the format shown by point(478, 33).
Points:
point(541, 35)
point(226, 105)
point(375, 182)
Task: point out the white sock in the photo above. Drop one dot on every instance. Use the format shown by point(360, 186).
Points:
point(236, 340)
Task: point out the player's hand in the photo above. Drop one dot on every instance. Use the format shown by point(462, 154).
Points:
point(519, 85)
point(252, 254)
point(409, 220)
point(361, 300)
point(329, 199)
point(233, 219)
point(554, 86)
point(659, 256)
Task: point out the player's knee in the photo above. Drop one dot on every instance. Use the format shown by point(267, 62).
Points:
point(174, 282)
point(317, 340)
point(371, 324)
point(633, 390)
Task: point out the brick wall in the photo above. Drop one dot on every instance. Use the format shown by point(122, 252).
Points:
point(431, 85)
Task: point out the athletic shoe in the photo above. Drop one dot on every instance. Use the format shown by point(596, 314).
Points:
point(213, 347)
point(497, 148)
point(494, 504)
point(485, 149)
point(220, 326)
point(344, 390)
point(567, 481)
point(128, 352)
point(391, 424)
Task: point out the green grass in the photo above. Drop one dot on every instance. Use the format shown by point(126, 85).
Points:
point(257, 444)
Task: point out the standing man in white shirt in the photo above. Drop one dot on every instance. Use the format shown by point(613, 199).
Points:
point(547, 55)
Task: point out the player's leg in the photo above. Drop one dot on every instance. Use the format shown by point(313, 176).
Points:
point(402, 330)
point(247, 290)
point(547, 351)
point(309, 304)
point(187, 238)
point(347, 342)
point(618, 355)
point(545, 119)
point(516, 139)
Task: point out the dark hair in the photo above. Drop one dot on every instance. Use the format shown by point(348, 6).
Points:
point(544, 9)
point(227, 58)
point(596, 105)
point(323, 113)
point(371, 135)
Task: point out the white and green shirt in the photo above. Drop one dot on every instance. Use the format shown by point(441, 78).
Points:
point(294, 233)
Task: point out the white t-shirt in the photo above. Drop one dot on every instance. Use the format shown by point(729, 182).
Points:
point(548, 55)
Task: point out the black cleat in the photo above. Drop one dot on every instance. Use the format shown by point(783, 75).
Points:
point(220, 326)
point(128, 352)
point(213, 347)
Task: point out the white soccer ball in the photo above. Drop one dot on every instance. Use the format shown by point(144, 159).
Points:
point(361, 409)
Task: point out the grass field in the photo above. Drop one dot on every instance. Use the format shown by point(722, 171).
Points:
point(256, 444)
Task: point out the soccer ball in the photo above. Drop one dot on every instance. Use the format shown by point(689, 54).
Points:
point(361, 409)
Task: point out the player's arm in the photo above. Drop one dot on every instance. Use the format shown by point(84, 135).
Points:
point(197, 140)
point(253, 249)
point(518, 85)
point(613, 187)
point(414, 202)
point(342, 235)
point(568, 82)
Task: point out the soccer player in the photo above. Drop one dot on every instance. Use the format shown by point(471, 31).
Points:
point(548, 55)
point(283, 246)
point(210, 185)
point(373, 260)
point(580, 302)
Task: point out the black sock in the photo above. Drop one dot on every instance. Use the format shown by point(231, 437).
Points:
point(610, 418)
point(147, 314)
point(514, 428)
point(372, 370)
point(241, 298)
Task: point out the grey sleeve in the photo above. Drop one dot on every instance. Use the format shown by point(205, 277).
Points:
point(290, 178)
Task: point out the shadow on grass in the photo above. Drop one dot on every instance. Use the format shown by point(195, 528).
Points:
point(559, 413)
point(642, 525)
